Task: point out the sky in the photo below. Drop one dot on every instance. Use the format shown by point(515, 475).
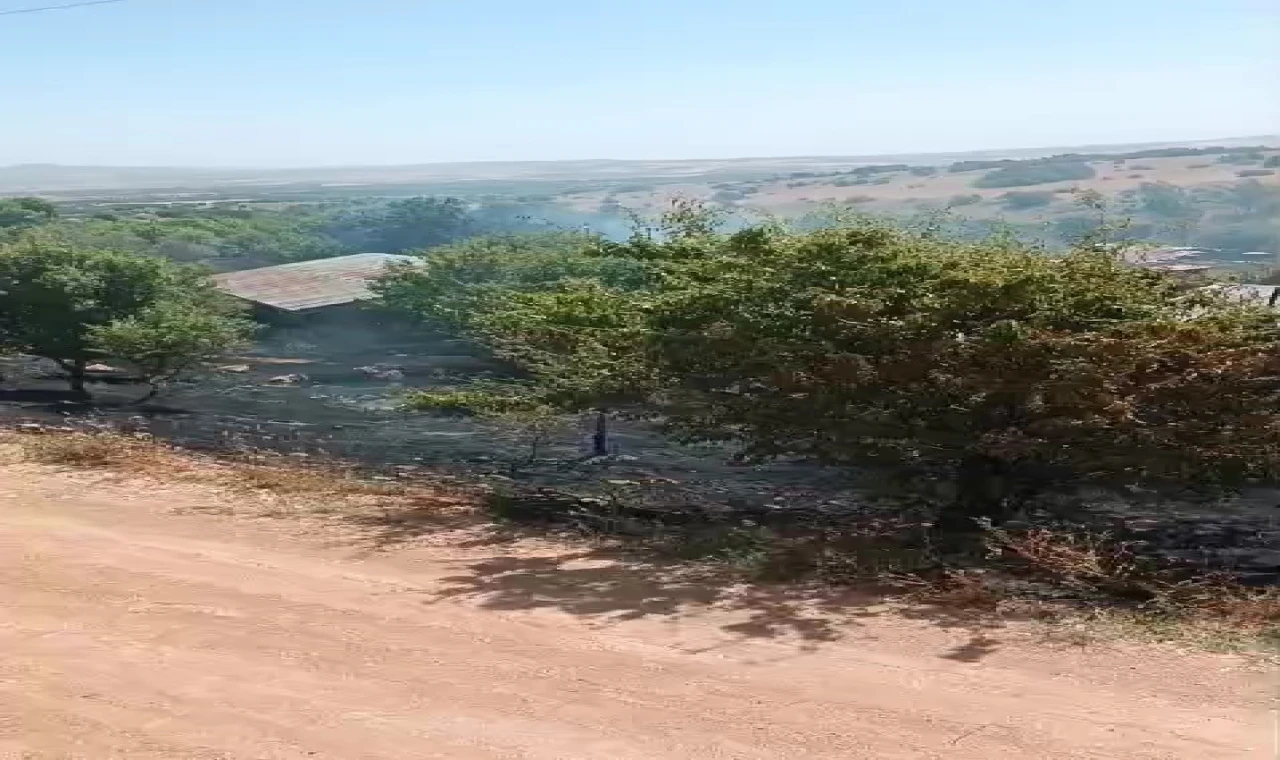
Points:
point(279, 83)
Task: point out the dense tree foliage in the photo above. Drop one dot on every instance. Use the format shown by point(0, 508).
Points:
point(455, 285)
point(465, 287)
point(416, 223)
point(76, 305)
point(261, 239)
point(242, 235)
point(16, 213)
point(990, 366)
point(172, 337)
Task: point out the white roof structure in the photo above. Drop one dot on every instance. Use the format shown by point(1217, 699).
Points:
point(1263, 295)
point(310, 284)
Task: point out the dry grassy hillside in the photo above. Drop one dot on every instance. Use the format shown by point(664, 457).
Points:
point(894, 191)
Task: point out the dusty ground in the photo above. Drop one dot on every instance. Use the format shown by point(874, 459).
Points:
point(151, 622)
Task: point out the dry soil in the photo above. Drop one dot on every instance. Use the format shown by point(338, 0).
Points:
point(143, 621)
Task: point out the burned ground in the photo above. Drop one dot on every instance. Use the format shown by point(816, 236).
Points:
point(329, 391)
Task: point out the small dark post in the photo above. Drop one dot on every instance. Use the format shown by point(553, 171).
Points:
point(600, 439)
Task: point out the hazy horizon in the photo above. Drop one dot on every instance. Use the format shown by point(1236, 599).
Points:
point(1267, 139)
point(327, 84)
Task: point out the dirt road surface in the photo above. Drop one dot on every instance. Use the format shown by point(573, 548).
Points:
point(145, 622)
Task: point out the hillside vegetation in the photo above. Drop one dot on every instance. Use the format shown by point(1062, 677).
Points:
point(981, 393)
point(1215, 197)
point(868, 345)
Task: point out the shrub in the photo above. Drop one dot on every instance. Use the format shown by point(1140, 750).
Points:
point(864, 171)
point(1241, 157)
point(1024, 200)
point(1035, 174)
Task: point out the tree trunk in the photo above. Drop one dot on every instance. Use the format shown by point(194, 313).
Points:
point(983, 493)
point(76, 376)
point(600, 439)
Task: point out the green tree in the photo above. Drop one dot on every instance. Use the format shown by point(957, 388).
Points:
point(988, 366)
point(1176, 208)
point(1027, 199)
point(536, 421)
point(416, 223)
point(467, 288)
point(59, 301)
point(1250, 235)
point(1166, 201)
point(452, 286)
point(169, 339)
point(26, 212)
point(271, 237)
point(1252, 197)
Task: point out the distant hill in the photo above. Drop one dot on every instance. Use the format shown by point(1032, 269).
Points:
point(70, 180)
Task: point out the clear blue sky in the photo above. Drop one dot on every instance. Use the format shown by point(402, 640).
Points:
point(326, 82)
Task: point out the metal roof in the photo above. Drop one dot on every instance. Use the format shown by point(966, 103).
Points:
point(310, 284)
point(1178, 268)
point(1263, 295)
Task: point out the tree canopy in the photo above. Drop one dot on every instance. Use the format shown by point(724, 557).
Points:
point(455, 285)
point(171, 338)
point(75, 305)
point(25, 212)
point(992, 366)
point(416, 223)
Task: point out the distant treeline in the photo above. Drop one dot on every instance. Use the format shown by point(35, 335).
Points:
point(1003, 163)
point(236, 235)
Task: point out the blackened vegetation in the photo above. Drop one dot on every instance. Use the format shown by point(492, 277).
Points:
point(848, 537)
point(785, 520)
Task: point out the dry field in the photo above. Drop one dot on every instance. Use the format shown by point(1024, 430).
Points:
point(906, 189)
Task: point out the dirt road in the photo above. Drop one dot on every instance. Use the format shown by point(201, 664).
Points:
point(144, 623)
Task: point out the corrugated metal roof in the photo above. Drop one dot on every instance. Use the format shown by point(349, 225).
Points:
point(310, 284)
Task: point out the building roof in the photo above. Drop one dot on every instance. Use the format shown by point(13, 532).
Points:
point(310, 284)
point(1263, 295)
point(1176, 268)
